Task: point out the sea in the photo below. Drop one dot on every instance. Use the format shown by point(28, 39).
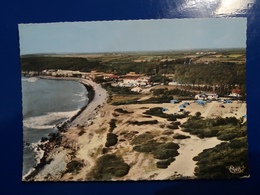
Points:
point(47, 103)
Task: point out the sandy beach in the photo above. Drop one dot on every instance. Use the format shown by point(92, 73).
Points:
point(86, 137)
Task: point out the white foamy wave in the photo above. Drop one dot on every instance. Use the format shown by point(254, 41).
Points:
point(80, 94)
point(28, 173)
point(38, 155)
point(31, 79)
point(49, 120)
point(82, 99)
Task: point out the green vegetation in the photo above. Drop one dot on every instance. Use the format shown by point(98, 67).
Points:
point(160, 150)
point(159, 99)
point(167, 132)
point(112, 124)
point(223, 74)
point(177, 92)
point(158, 78)
point(172, 126)
point(223, 128)
point(107, 167)
point(158, 111)
point(163, 164)
point(180, 136)
point(74, 166)
point(221, 68)
point(142, 138)
point(40, 63)
point(215, 162)
point(118, 90)
point(151, 122)
point(81, 132)
point(135, 100)
point(121, 110)
point(111, 140)
point(217, 71)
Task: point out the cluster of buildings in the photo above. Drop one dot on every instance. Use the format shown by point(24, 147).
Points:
point(130, 79)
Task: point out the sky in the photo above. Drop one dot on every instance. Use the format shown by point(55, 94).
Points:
point(132, 35)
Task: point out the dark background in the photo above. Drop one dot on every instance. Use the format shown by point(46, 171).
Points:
point(13, 12)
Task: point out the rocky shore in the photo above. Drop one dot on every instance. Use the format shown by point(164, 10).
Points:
point(55, 140)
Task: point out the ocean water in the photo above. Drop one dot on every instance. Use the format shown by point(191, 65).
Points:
point(47, 103)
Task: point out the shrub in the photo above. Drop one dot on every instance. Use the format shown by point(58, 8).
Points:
point(164, 153)
point(163, 164)
point(170, 145)
point(108, 166)
point(180, 136)
point(112, 124)
point(143, 122)
point(142, 138)
point(111, 140)
point(74, 166)
point(176, 123)
point(121, 110)
point(171, 118)
point(213, 163)
point(157, 111)
point(104, 150)
point(158, 149)
point(168, 132)
point(198, 114)
point(81, 132)
point(172, 126)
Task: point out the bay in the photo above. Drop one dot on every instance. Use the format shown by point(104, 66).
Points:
point(46, 103)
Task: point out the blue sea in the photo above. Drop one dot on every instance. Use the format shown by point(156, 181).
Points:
point(47, 103)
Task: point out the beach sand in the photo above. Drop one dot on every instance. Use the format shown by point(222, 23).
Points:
point(86, 137)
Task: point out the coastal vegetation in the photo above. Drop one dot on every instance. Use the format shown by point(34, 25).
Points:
point(180, 136)
point(223, 128)
point(151, 122)
point(74, 166)
point(227, 160)
point(216, 162)
point(112, 125)
point(165, 152)
point(213, 72)
point(111, 139)
point(158, 111)
point(107, 167)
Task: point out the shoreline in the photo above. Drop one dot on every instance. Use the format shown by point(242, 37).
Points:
point(43, 147)
point(94, 122)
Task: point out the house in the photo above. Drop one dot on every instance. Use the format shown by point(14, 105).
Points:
point(235, 93)
point(137, 89)
point(136, 80)
point(201, 97)
point(206, 96)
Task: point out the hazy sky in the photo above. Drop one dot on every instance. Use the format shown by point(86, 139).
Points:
point(132, 35)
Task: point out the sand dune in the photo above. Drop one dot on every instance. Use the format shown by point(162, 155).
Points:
point(94, 123)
